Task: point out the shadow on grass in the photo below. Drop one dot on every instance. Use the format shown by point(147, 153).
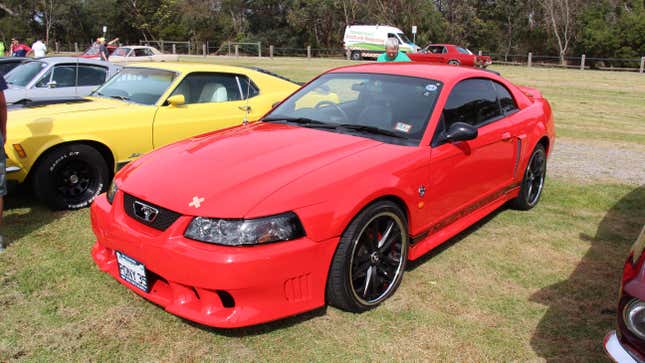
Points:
point(582, 308)
point(412, 265)
point(23, 214)
point(262, 328)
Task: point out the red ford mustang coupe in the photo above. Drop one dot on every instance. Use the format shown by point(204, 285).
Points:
point(325, 199)
point(450, 54)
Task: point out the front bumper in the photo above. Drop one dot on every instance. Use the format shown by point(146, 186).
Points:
point(219, 286)
point(615, 350)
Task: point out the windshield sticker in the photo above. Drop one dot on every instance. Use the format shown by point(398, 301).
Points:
point(403, 127)
point(431, 88)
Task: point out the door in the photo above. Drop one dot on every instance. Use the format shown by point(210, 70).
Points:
point(212, 101)
point(470, 174)
point(58, 82)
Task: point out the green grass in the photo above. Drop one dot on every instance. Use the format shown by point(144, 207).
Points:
point(517, 286)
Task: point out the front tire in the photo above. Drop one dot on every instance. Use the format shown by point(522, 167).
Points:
point(70, 177)
point(369, 262)
point(356, 55)
point(454, 62)
point(533, 181)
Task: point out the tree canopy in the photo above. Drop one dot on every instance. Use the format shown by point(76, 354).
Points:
point(598, 28)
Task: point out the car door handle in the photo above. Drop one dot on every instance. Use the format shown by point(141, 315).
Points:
point(506, 136)
point(245, 108)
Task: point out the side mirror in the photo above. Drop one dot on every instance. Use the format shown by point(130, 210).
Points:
point(176, 100)
point(51, 84)
point(460, 131)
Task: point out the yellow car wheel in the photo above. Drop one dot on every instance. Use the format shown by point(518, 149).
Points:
point(70, 176)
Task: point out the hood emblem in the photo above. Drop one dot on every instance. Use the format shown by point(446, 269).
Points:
point(145, 212)
point(422, 191)
point(197, 202)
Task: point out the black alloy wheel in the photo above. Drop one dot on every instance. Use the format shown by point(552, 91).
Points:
point(370, 260)
point(70, 176)
point(533, 181)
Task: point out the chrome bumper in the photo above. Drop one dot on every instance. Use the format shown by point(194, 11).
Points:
point(615, 350)
point(12, 169)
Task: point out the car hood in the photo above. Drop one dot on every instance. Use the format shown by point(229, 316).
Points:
point(230, 171)
point(64, 108)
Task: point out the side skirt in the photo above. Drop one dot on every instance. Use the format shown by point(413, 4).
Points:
point(442, 232)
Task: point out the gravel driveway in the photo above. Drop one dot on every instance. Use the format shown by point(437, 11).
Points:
point(587, 161)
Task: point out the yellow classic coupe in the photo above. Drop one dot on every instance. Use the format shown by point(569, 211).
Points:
point(69, 151)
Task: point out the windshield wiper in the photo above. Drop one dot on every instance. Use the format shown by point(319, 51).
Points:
point(307, 122)
point(372, 129)
point(122, 98)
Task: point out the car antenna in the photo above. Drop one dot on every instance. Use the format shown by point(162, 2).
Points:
point(247, 108)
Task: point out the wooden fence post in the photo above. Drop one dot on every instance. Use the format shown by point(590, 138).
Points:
point(480, 53)
point(582, 62)
point(229, 48)
point(271, 51)
point(56, 45)
point(530, 59)
point(204, 49)
point(75, 47)
point(161, 46)
point(259, 50)
point(642, 64)
point(174, 48)
point(309, 51)
point(237, 50)
point(348, 54)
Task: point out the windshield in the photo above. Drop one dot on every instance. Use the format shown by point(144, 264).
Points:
point(92, 51)
point(24, 73)
point(404, 38)
point(395, 107)
point(139, 85)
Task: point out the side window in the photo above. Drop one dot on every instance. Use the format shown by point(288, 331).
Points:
point(91, 75)
point(45, 79)
point(249, 89)
point(506, 101)
point(208, 88)
point(473, 101)
point(149, 52)
point(444, 50)
point(140, 52)
point(462, 50)
point(392, 35)
point(64, 76)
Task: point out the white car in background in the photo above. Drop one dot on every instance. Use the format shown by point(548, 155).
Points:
point(56, 78)
point(140, 53)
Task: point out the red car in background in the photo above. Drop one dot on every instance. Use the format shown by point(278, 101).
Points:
point(627, 342)
point(327, 197)
point(93, 51)
point(450, 54)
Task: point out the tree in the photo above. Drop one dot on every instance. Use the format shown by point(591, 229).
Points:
point(560, 17)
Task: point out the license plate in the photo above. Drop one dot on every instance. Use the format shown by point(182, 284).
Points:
point(132, 271)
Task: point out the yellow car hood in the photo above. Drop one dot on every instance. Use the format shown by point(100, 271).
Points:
point(83, 105)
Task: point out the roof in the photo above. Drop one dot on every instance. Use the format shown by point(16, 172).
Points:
point(57, 59)
point(443, 73)
point(190, 67)
point(136, 46)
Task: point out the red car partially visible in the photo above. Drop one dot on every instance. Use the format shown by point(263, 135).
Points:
point(450, 54)
point(93, 51)
point(326, 198)
point(627, 342)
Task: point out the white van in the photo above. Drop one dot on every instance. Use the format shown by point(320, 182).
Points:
point(368, 41)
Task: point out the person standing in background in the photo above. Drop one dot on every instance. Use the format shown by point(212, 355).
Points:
point(18, 49)
point(39, 48)
point(103, 52)
point(2, 50)
point(3, 137)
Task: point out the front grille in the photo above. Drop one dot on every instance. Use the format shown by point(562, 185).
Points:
point(163, 220)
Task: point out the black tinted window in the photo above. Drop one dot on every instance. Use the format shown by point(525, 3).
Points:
point(506, 101)
point(91, 76)
point(473, 101)
point(64, 76)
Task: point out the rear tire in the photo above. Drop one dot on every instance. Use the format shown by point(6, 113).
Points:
point(70, 177)
point(369, 262)
point(532, 182)
point(454, 62)
point(356, 55)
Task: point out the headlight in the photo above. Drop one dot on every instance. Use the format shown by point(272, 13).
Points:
point(634, 317)
point(238, 232)
point(111, 192)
